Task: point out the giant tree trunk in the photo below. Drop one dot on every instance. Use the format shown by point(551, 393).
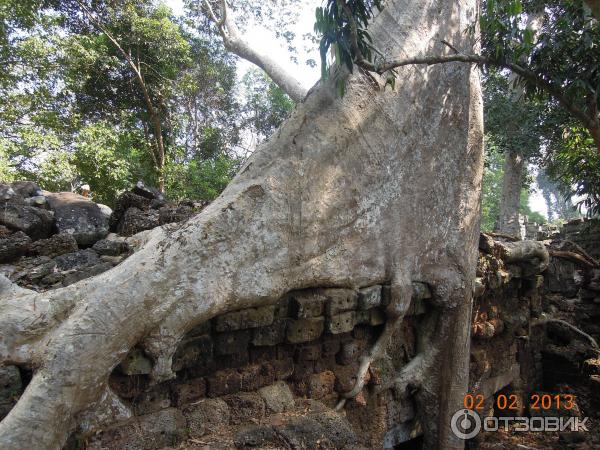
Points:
point(377, 186)
point(508, 222)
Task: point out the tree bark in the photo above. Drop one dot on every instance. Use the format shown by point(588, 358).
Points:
point(508, 222)
point(379, 186)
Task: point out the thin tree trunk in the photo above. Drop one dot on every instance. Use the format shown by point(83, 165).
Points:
point(379, 186)
point(508, 222)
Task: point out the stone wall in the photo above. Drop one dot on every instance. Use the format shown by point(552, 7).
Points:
point(273, 360)
point(585, 233)
point(270, 376)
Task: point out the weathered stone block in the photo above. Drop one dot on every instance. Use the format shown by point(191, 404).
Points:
point(331, 345)
point(222, 382)
point(307, 303)
point(310, 352)
point(284, 368)
point(271, 335)
point(260, 354)
point(232, 360)
point(420, 290)
point(341, 323)
point(193, 352)
point(13, 246)
point(305, 330)
point(340, 300)
point(369, 297)
point(363, 332)
point(190, 391)
point(303, 369)
point(362, 317)
point(152, 401)
point(245, 318)
point(136, 363)
point(320, 385)
point(277, 397)
point(255, 376)
point(233, 342)
point(345, 377)
point(350, 352)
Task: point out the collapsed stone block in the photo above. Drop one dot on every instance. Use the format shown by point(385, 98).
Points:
point(245, 406)
point(13, 246)
point(206, 416)
point(156, 430)
point(277, 397)
point(152, 401)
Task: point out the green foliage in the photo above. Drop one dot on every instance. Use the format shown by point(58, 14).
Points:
point(337, 29)
point(200, 179)
point(266, 105)
point(514, 123)
point(564, 51)
point(577, 164)
point(492, 189)
point(74, 112)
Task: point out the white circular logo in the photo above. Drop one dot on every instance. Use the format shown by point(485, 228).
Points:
point(465, 424)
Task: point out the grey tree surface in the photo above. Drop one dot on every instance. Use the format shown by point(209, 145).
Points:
point(379, 186)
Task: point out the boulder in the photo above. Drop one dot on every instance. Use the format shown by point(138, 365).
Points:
point(179, 213)
point(147, 191)
point(35, 222)
point(77, 260)
point(26, 189)
point(56, 245)
point(8, 194)
point(125, 201)
point(14, 245)
point(78, 216)
point(110, 247)
point(135, 220)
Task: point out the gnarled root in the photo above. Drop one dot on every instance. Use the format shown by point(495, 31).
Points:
point(396, 311)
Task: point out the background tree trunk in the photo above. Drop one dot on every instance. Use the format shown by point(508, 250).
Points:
point(508, 222)
point(379, 186)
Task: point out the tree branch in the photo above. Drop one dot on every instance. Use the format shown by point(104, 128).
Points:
point(590, 121)
point(236, 44)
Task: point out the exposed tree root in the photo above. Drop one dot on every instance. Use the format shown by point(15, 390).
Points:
point(336, 198)
point(574, 257)
point(545, 319)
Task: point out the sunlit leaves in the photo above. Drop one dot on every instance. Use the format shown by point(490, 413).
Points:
point(335, 28)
